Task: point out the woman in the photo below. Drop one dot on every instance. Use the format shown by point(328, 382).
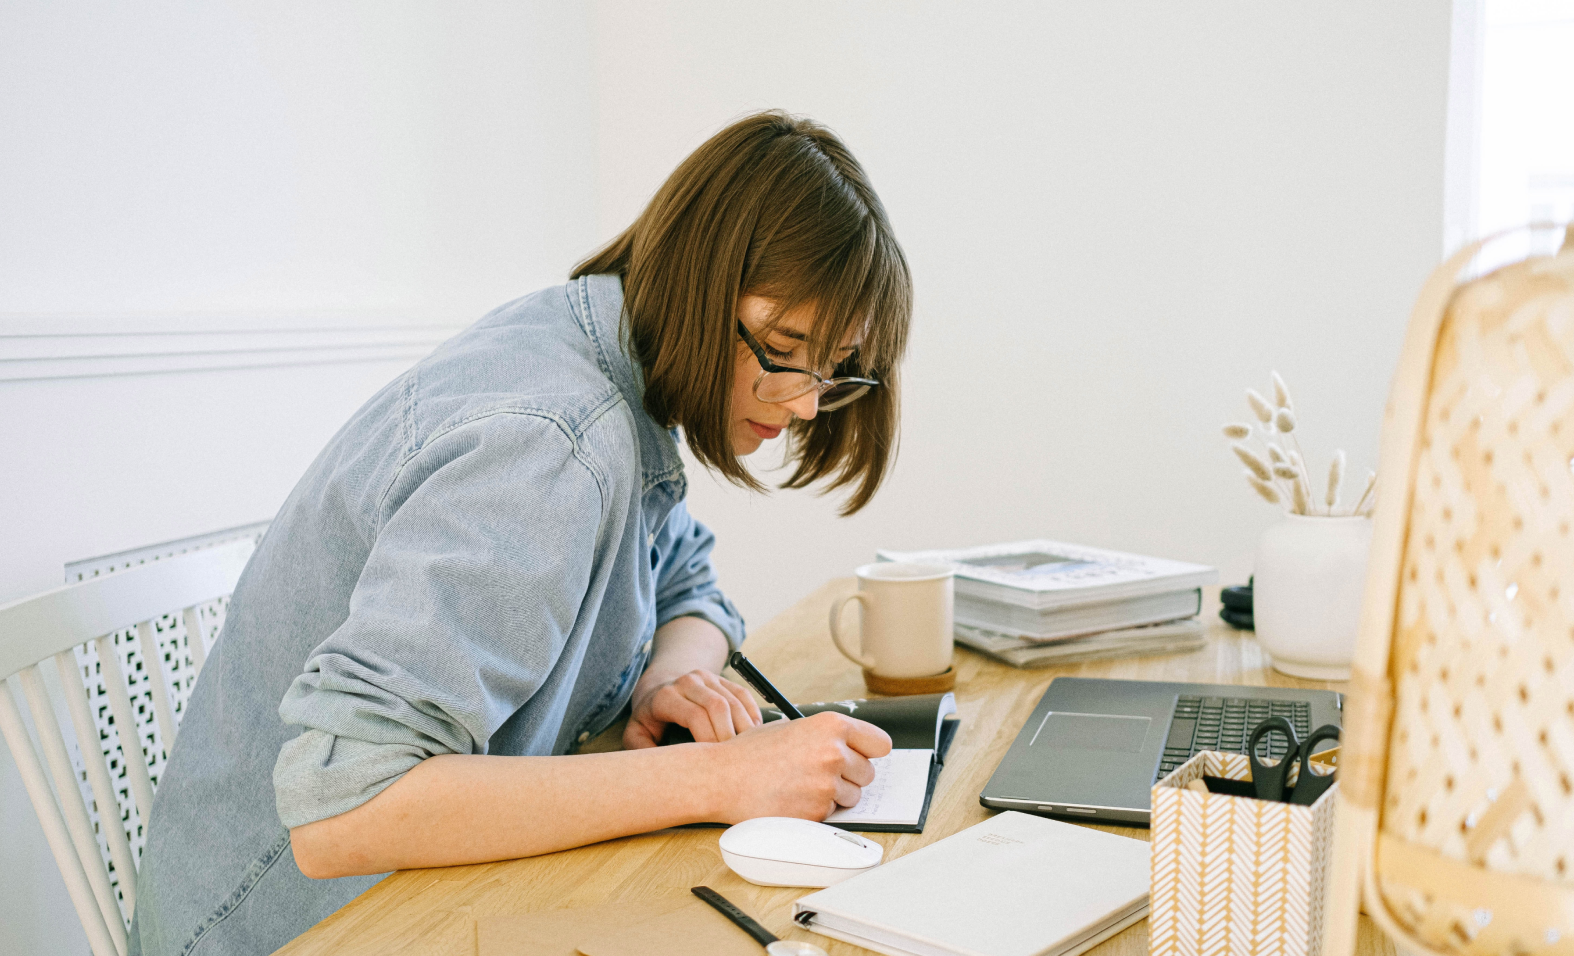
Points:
point(492, 561)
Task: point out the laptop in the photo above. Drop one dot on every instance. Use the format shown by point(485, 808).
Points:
point(1093, 749)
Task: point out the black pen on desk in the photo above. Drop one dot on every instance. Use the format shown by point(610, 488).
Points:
point(752, 674)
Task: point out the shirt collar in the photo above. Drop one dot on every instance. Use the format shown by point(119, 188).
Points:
point(599, 301)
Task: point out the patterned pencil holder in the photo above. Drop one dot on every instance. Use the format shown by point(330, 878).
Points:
point(1236, 875)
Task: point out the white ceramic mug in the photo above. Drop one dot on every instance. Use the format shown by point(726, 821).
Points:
point(906, 619)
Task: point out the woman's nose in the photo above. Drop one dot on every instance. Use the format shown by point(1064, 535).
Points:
point(805, 406)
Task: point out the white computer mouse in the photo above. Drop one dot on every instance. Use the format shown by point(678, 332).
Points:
point(784, 851)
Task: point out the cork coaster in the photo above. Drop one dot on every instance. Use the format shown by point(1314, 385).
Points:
point(900, 686)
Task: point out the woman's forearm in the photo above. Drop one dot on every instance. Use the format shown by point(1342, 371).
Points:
point(469, 808)
point(465, 808)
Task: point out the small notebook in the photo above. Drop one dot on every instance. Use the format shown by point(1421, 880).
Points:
point(1014, 885)
point(921, 728)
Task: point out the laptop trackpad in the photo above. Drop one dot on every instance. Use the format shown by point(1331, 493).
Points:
point(1109, 732)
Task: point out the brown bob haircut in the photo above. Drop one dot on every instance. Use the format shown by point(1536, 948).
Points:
point(774, 206)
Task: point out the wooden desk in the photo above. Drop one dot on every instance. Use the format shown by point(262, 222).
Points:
point(434, 911)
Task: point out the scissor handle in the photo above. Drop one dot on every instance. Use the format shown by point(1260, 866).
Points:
point(1309, 786)
point(1270, 780)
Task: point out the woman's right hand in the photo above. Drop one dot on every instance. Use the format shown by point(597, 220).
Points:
point(797, 768)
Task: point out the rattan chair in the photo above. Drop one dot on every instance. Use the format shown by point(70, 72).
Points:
point(49, 627)
point(1456, 827)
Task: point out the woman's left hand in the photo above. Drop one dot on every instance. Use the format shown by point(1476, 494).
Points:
point(712, 707)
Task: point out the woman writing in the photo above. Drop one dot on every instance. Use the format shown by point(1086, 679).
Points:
point(492, 561)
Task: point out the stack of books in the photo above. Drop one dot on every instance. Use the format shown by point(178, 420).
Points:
point(1036, 603)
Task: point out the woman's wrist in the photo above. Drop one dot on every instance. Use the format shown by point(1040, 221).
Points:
point(709, 779)
point(685, 643)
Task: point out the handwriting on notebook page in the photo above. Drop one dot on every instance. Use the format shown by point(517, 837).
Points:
point(901, 780)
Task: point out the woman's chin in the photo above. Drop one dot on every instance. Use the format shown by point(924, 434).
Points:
point(744, 441)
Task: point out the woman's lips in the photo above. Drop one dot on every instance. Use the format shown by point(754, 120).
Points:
point(766, 432)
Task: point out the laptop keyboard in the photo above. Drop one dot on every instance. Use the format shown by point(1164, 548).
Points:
point(1224, 723)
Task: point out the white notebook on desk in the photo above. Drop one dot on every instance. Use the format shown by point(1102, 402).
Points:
point(1014, 885)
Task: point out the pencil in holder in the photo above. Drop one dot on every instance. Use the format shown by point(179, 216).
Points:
point(1234, 874)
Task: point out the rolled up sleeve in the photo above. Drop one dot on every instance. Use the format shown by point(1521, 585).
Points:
point(470, 591)
point(685, 580)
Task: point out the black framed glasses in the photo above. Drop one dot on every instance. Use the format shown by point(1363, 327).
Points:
point(783, 383)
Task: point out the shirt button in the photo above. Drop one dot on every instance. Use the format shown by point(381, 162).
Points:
point(650, 538)
point(645, 648)
point(584, 736)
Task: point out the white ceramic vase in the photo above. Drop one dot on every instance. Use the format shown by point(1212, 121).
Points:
point(1306, 599)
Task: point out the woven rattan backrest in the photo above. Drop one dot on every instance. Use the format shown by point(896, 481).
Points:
point(1481, 754)
point(1464, 735)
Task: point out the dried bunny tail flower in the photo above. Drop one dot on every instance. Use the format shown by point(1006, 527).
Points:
point(1335, 479)
point(1276, 455)
point(1286, 472)
point(1284, 421)
point(1257, 465)
point(1267, 492)
point(1235, 431)
point(1301, 505)
point(1281, 392)
point(1260, 406)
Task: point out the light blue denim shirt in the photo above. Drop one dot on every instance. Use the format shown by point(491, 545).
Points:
point(476, 563)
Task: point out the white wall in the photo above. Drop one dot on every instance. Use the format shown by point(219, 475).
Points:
point(224, 226)
point(1119, 215)
point(262, 156)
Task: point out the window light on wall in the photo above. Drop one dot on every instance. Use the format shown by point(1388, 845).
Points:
point(1511, 148)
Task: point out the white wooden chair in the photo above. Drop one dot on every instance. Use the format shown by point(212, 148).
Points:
point(49, 626)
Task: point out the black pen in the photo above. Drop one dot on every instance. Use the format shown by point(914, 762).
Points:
point(767, 690)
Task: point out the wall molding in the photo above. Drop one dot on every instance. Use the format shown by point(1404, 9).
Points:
point(34, 349)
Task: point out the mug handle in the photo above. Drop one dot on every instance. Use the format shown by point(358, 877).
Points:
point(836, 637)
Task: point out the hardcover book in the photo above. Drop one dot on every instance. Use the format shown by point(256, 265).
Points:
point(1042, 574)
point(1014, 885)
point(1018, 651)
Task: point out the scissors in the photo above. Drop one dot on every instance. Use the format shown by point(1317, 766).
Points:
point(1272, 780)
